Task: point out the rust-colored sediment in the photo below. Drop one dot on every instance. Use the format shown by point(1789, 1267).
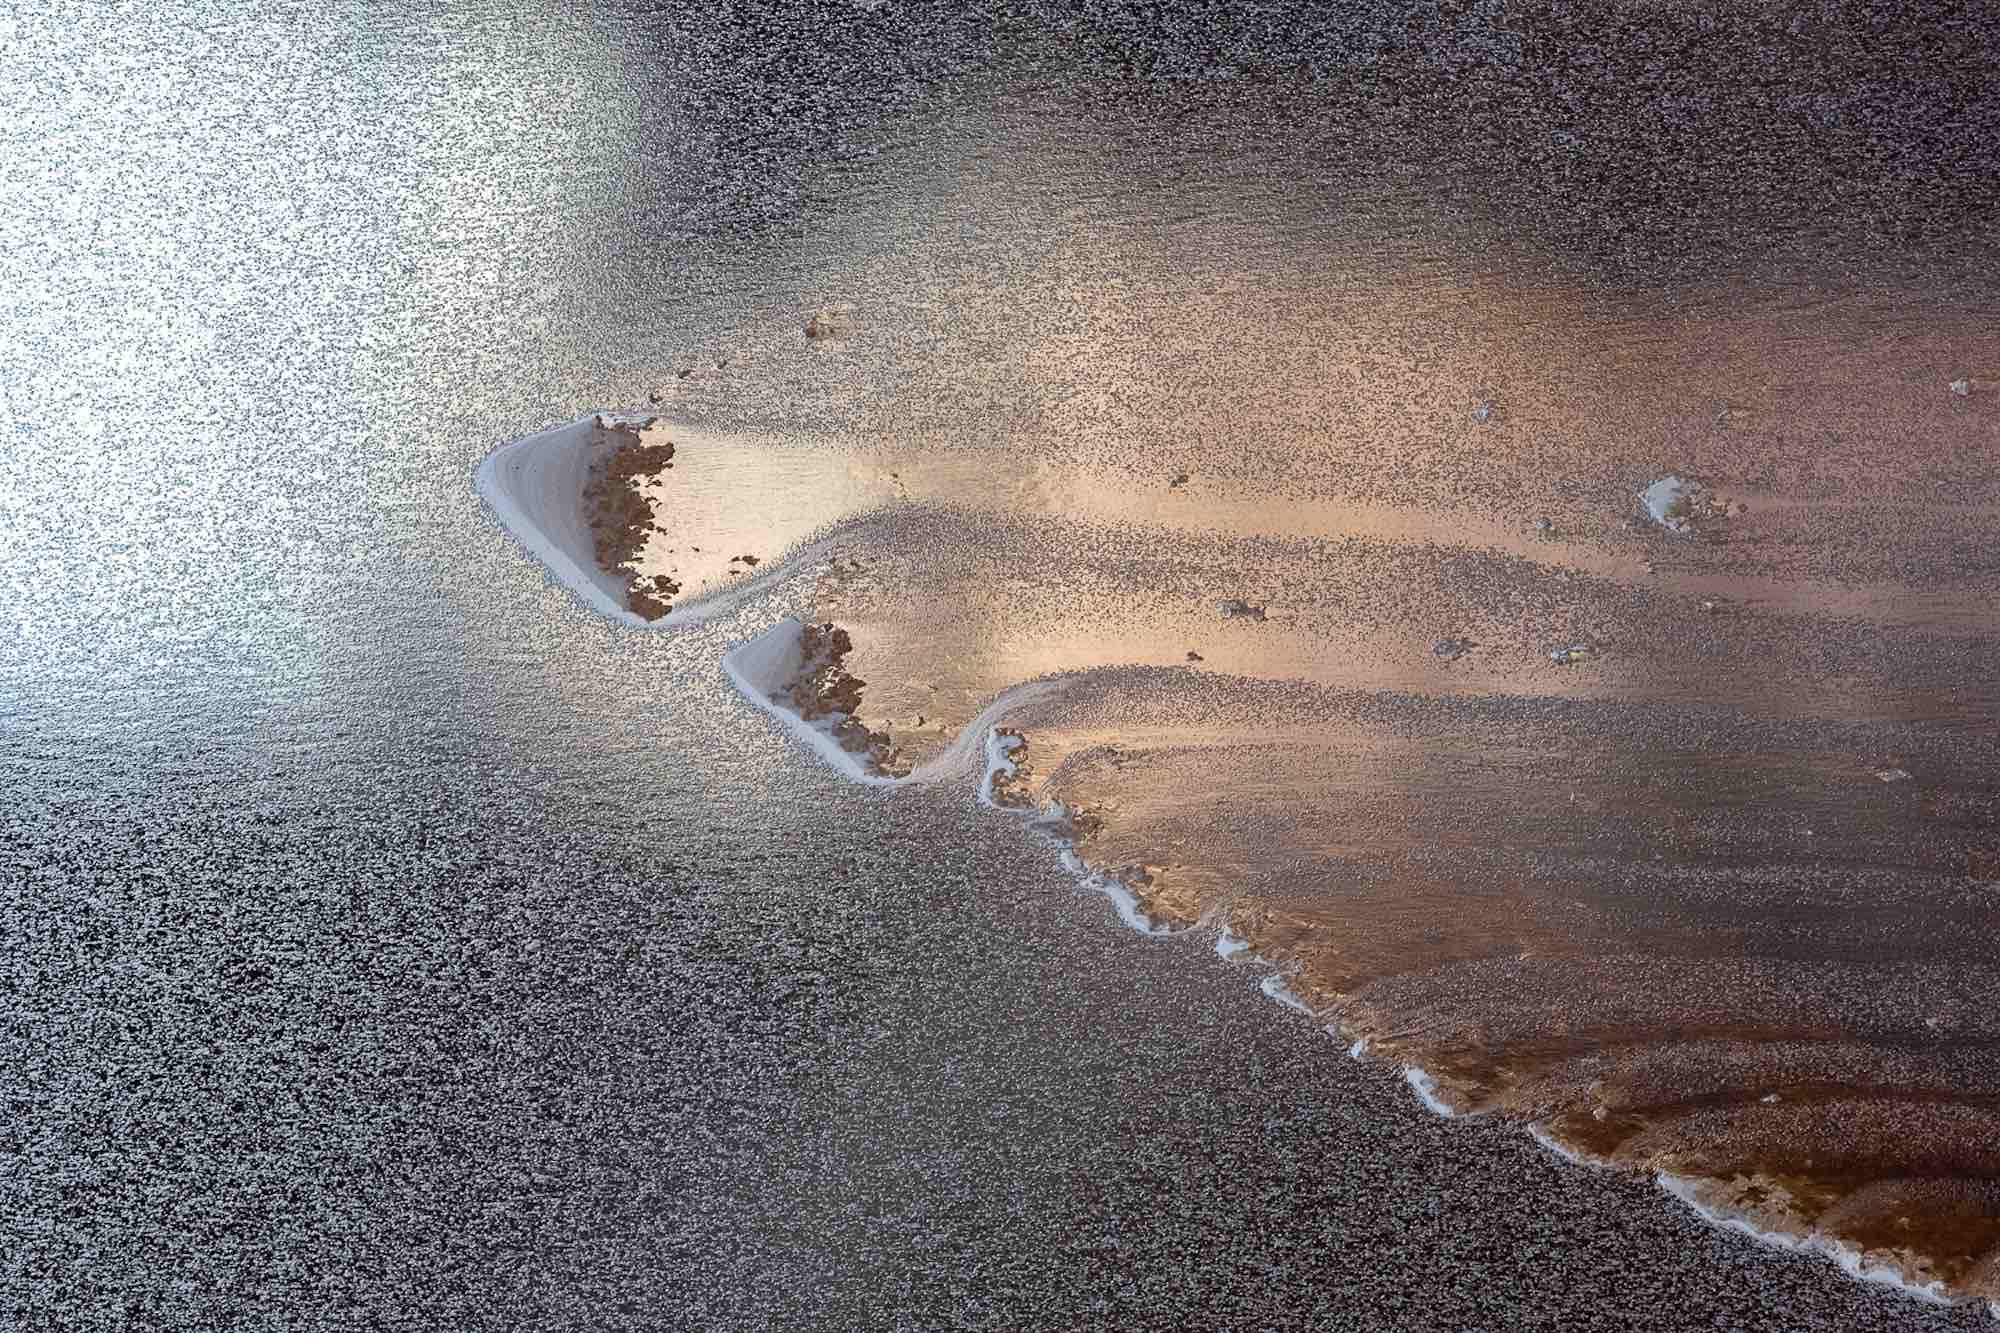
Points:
point(1909, 1180)
point(1937, 1232)
point(1799, 1118)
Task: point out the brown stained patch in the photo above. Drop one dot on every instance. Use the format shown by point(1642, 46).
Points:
point(1946, 1225)
point(621, 516)
point(824, 690)
point(1589, 1134)
point(1797, 1183)
point(1930, 1230)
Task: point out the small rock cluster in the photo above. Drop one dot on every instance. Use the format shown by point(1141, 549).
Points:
point(1237, 609)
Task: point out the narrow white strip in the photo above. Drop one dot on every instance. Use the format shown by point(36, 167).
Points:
point(1559, 1148)
point(1852, 1261)
point(1274, 986)
point(1427, 1091)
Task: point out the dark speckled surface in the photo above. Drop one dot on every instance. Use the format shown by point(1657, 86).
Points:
point(438, 1052)
point(389, 944)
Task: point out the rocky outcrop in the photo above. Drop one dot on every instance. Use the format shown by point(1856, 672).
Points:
point(825, 693)
point(620, 516)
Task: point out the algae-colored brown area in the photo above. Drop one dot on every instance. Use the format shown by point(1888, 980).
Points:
point(1722, 965)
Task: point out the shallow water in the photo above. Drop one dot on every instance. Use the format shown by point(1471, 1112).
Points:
point(398, 943)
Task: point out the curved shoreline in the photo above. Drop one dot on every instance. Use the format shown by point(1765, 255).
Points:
point(768, 664)
point(1847, 1258)
point(534, 487)
point(764, 666)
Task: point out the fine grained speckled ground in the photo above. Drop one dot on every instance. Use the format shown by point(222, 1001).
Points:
point(388, 943)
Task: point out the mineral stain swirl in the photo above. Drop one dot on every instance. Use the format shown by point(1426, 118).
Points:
point(1643, 791)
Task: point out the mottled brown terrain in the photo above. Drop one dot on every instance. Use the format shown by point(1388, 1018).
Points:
point(1671, 835)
